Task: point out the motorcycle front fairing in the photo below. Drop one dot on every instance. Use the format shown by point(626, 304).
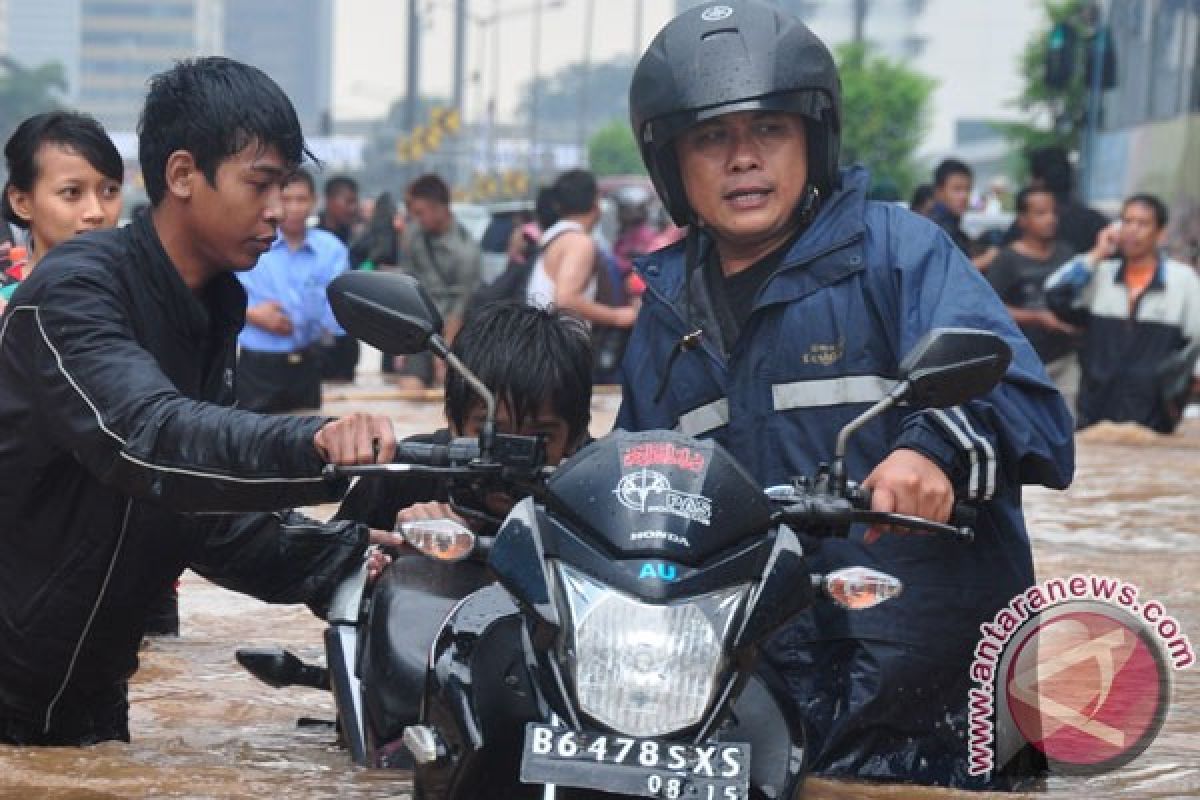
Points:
point(409, 604)
point(660, 520)
point(485, 684)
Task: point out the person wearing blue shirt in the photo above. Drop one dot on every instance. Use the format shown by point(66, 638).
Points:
point(287, 313)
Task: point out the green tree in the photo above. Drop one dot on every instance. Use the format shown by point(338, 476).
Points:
point(885, 112)
point(27, 91)
point(613, 151)
point(1054, 116)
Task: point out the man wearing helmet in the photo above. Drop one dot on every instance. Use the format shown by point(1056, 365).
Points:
point(780, 317)
point(635, 234)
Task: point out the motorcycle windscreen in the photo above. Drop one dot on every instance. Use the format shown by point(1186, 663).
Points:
point(660, 494)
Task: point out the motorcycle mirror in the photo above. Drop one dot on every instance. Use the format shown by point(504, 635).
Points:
point(858, 588)
point(393, 312)
point(388, 310)
point(440, 539)
point(949, 366)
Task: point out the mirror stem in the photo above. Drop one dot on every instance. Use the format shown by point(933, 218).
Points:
point(487, 436)
point(838, 469)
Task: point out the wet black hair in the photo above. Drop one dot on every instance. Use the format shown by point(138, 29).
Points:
point(1151, 202)
point(948, 168)
point(544, 212)
point(1024, 195)
point(525, 355)
point(1051, 166)
point(339, 183)
point(379, 243)
point(920, 196)
point(573, 192)
point(79, 133)
point(430, 187)
point(213, 108)
point(302, 175)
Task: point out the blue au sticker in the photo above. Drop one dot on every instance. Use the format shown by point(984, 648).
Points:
point(658, 571)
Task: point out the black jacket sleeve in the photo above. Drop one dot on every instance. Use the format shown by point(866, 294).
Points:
point(376, 501)
point(104, 398)
point(282, 557)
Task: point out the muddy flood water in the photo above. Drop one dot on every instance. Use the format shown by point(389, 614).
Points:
point(203, 728)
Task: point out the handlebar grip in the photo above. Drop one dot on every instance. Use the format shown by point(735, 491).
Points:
point(963, 515)
point(459, 452)
point(429, 455)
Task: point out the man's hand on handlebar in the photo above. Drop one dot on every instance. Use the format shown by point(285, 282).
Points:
point(907, 482)
point(357, 439)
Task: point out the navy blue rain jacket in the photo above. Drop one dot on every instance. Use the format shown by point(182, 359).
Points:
point(851, 297)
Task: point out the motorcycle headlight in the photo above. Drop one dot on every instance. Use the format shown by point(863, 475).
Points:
point(645, 669)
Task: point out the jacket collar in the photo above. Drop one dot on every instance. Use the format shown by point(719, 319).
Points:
point(219, 308)
point(1157, 281)
point(839, 223)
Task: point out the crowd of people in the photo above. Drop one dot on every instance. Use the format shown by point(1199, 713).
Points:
point(137, 365)
point(1115, 320)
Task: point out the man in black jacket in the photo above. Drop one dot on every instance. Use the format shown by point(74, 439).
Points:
point(116, 381)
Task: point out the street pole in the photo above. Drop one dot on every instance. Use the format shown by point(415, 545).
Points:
point(536, 90)
point(460, 53)
point(1095, 93)
point(860, 21)
point(413, 67)
point(460, 73)
point(589, 15)
point(638, 13)
point(494, 85)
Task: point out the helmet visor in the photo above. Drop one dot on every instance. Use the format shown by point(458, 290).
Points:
point(814, 104)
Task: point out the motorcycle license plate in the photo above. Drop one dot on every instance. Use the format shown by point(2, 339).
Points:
point(635, 767)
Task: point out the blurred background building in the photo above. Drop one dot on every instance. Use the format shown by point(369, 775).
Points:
point(292, 41)
point(377, 83)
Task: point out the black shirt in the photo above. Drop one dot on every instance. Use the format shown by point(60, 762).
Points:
point(733, 296)
point(1018, 280)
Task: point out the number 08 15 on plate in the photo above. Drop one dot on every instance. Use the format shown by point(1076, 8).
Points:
point(635, 767)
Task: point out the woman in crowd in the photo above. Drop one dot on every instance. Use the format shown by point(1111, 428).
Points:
point(65, 178)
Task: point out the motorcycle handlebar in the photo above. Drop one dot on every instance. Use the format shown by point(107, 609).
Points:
point(456, 454)
point(525, 454)
point(962, 515)
point(838, 513)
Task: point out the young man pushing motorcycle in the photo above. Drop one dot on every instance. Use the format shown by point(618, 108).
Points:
point(781, 317)
point(116, 387)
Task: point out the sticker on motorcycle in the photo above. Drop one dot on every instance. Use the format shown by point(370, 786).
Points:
point(663, 454)
point(649, 491)
point(660, 536)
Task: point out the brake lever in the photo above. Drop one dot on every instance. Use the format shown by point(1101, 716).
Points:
point(960, 528)
point(963, 534)
point(334, 471)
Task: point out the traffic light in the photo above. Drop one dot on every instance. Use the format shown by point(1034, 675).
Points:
point(1060, 55)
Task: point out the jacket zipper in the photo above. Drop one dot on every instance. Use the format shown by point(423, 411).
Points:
point(704, 344)
point(91, 618)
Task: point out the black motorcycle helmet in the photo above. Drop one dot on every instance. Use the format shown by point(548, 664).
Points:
point(724, 57)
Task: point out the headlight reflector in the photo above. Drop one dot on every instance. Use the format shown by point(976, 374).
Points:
point(646, 669)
